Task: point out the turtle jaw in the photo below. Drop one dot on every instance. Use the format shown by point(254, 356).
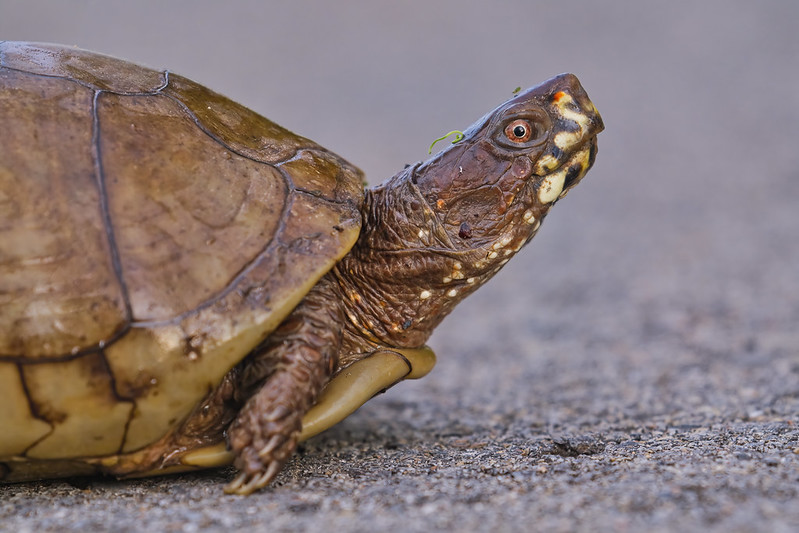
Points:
point(575, 126)
point(558, 183)
point(585, 166)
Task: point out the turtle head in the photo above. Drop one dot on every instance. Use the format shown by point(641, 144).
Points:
point(438, 230)
point(498, 182)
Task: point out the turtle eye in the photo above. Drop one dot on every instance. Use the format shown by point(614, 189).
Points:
point(519, 131)
point(522, 129)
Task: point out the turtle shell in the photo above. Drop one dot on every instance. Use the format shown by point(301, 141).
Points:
point(152, 233)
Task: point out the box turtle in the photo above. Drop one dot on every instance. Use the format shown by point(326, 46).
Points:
point(185, 284)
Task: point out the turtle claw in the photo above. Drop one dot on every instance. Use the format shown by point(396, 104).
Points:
point(245, 484)
point(271, 446)
point(262, 441)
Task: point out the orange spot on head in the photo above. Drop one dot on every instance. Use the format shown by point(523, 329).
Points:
point(440, 204)
point(558, 96)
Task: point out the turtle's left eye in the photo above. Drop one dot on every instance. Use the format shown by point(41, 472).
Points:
point(523, 129)
point(519, 131)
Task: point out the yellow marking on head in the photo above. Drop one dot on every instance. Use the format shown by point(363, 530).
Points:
point(546, 163)
point(470, 281)
point(456, 272)
point(566, 139)
point(424, 295)
point(570, 114)
point(492, 255)
point(529, 216)
point(423, 233)
point(551, 186)
point(502, 242)
point(447, 279)
point(452, 293)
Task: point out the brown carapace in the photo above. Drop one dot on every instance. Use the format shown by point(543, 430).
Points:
point(184, 283)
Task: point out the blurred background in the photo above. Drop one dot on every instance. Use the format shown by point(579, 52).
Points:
point(679, 250)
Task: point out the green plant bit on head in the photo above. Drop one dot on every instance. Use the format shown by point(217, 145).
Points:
point(458, 137)
point(516, 91)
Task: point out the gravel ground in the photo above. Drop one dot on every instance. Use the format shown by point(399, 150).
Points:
point(636, 368)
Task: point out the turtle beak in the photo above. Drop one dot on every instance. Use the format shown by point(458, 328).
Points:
point(568, 84)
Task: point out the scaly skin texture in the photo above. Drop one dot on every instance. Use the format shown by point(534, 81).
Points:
point(431, 236)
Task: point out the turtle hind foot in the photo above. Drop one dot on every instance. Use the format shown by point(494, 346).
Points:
point(265, 433)
point(245, 484)
point(263, 440)
point(263, 455)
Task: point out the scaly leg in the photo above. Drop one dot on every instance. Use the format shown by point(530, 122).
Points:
point(300, 357)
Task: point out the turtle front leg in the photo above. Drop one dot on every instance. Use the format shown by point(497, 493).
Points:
point(298, 359)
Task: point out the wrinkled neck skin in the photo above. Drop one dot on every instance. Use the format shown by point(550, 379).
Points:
point(427, 243)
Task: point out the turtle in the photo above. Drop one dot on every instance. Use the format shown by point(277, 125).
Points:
point(186, 284)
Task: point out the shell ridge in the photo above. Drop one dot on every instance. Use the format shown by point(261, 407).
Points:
point(91, 87)
point(52, 76)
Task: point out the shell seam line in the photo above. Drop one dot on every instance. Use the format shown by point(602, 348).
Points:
point(120, 399)
point(21, 359)
point(104, 209)
point(208, 132)
point(276, 165)
point(33, 410)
